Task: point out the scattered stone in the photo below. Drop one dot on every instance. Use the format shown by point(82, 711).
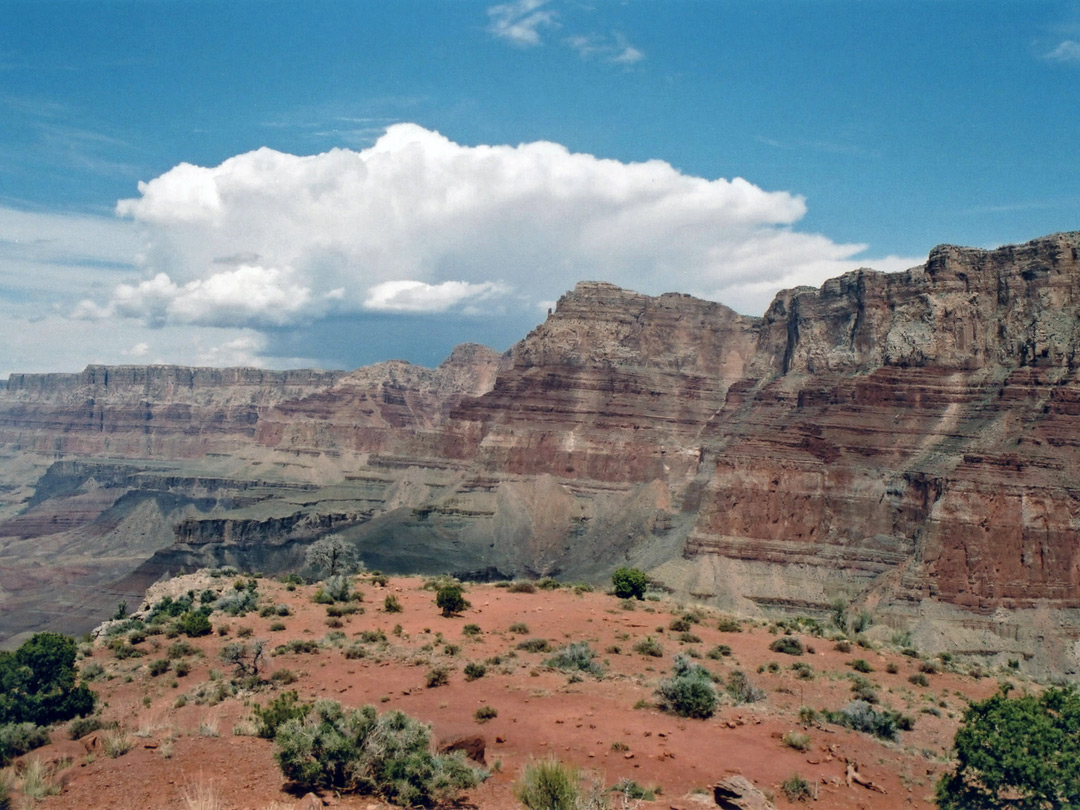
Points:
point(736, 792)
point(309, 802)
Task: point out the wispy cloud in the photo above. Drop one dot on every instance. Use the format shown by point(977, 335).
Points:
point(1066, 51)
point(521, 22)
point(614, 49)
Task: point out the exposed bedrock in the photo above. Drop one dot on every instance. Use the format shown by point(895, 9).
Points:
point(905, 442)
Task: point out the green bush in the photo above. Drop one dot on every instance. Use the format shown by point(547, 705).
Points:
point(918, 679)
point(718, 652)
point(689, 692)
point(37, 682)
point(273, 715)
point(860, 665)
point(194, 624)
point(357, 750)
point(471, 630)
point(159, 667)
point(450, 599)
point(797, 789)
point(629, 583)
point(535, 645)
point(485, 713)
point(437, 676)
point(474, 670)
point(861, 716)
point(649, 646)
point(521, 586)
point(18, 738)
point(548, 784)
point(391, 604)
point(789, 645)
point(1017, 753)
point(579, 657)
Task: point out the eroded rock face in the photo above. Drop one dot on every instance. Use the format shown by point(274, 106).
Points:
point(904, 442)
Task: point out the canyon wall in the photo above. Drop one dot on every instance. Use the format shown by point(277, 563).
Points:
point(906, 443)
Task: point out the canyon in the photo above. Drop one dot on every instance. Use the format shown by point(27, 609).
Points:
point(902, 444)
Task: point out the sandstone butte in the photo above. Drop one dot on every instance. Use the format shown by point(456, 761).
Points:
point(906, 443)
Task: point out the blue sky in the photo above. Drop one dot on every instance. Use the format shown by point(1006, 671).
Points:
point(335, 183)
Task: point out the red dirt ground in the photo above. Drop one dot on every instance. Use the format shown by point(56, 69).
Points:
point(540, 712)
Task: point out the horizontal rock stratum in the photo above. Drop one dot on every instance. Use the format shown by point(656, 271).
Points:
point(906, 443)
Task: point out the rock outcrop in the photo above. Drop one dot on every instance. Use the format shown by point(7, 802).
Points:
point(903, 442)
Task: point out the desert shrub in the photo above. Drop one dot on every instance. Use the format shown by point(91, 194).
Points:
point(689, 692)
point(741, 690)
point(471, 630)
point(81, 726)
point(535, 645)
point(789, 645)
point(803, 671)
point(578, 657)
point(18, 738)
point(918, 679)
point(928, 667)
point(680, 624)
point(485, 713)
point(843, 645)
point(521, 586)
point(437, 676)
point(37, 682)
point(548, 584)
point(629, 583)
point(1019, 753)
point(117, 743)
point(273, 715)
point(718, 652)
point(797, 789)
point(361, 751)
point(549, 784)
point(391, 604)
point(372, 636)
point(179, 649)
point(807, 715)
point(246, 659)
point(238, 602)
point(863, 689)
point(277, 627)
point(632, 791)
point(729, 625)
point(194, 624)
point(474, 670)
point(892, 668)
point(796, 740)
point(649, 646)
point(245, 632)
point(450, 599)
point(158, 667)
point(520, 628)
point(297, 645)
point(181, 669)
point(861, 665)
point(861, 716)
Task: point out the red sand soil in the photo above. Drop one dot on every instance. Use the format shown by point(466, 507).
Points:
point(592, 723)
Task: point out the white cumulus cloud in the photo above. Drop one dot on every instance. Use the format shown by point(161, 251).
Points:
point(420, 224)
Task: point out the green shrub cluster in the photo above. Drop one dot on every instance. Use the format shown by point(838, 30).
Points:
point(690, 691)
point(1019, 753)
point(789, 645)
point(578, 657)
point(286, 706)
point(18, 738)
point(358, 750)
point(861, 716)
point(629, 583)
point(37, 682)
point(741, 689)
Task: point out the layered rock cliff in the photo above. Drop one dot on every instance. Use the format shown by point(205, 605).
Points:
point(903, 442)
